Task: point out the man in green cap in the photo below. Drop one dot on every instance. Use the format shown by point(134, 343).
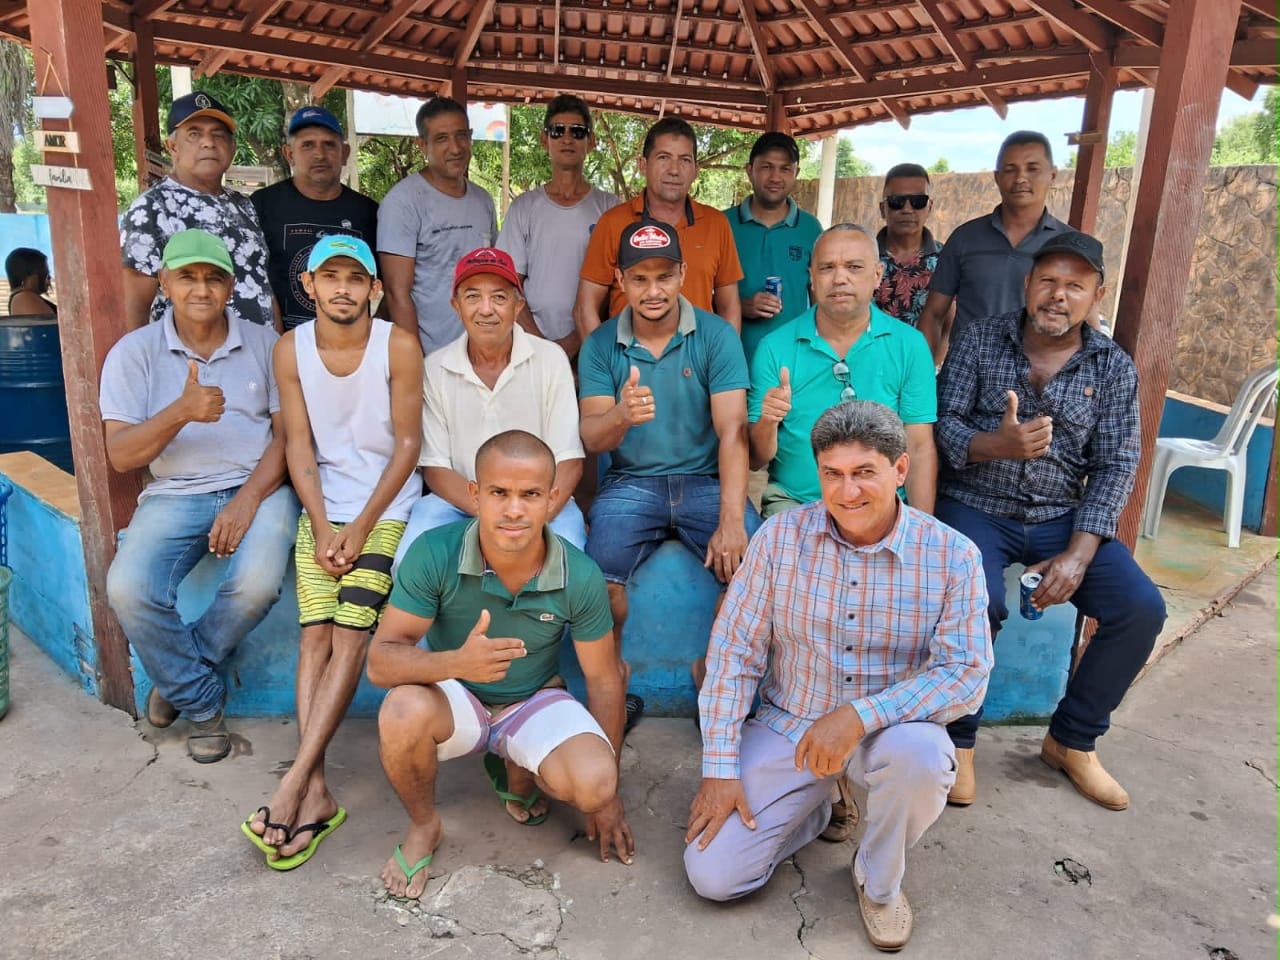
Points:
point(192, 398)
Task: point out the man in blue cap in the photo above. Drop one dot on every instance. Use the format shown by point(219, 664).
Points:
point(311, 204)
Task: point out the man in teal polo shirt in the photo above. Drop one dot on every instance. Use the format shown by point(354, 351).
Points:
point(843, 348)
point(774, 238)
point(493, 597)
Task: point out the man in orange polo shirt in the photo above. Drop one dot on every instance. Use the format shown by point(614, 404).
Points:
point(669, 164)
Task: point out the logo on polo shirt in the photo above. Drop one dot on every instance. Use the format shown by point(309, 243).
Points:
point(547, 617)
point(650, 238)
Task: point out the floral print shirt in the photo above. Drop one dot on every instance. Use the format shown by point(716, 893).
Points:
point(905, 285)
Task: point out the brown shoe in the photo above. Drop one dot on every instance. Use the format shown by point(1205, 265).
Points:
point(160, 712)
point(844, 814)
point(965, 789)
point(1085, 773)
point(209, 740)
point(888, 925)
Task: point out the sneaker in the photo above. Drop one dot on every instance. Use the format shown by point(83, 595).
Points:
point(209, 740)
point(160, 712)
point(635, 710)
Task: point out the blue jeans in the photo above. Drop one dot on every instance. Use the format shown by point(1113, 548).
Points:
point(1127, 605)
point(168, 536)
point(632, 516)
point(434, 511)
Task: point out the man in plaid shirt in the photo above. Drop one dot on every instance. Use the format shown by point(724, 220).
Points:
point(1031, 405)
point(861, 622)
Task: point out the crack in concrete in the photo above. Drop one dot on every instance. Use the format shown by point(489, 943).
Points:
point(805, 923)
point(1254, 765)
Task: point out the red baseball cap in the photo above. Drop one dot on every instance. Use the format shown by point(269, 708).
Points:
point(487, 260)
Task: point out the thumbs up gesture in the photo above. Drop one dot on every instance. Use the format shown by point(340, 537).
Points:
point(1023, 441)
point(777, 400)
point(635, 402)
point(198, 403)
point(486, 659)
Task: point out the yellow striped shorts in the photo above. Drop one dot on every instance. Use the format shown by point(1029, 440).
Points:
point(355, 599)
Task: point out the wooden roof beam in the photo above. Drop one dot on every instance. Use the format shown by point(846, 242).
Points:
point(259, 13)
point(998, 103)
point(1090, 31)
point(897, 111)
point(327, 81)
point(476, 20)
point(947, 37)
point(675, 39)
point(759, 45)
point(1128, 19)
point(555, 53)
point(827, 27)
point(1266, 8)
point(147, 9)
point(719, 95)
point(1244, 53)
point(212, 62)
point(388, 22)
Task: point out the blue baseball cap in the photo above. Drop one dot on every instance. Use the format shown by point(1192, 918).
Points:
point(315, 117)
point(341, 245)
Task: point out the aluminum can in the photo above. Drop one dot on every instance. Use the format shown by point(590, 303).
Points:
point(1028, 584)
point(773, 285)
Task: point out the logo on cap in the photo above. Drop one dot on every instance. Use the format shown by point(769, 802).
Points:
point(203, 102)
point(650, 237)
point(485, 255)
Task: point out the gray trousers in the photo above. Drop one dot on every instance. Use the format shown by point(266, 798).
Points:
point(906, 770)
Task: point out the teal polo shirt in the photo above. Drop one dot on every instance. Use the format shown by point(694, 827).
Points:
point(781, 250)
point(890, 364)
point(703, 357)
point(444, 577)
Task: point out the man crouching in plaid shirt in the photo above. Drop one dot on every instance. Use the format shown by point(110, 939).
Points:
point(862, 623)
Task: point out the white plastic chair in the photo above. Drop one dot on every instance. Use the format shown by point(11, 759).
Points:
point(1226, 452)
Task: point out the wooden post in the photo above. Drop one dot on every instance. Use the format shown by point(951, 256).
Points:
point(146, 102)
point(458, 84)
point(778, 119)
point(66, 39)
point(1193, 69)
point(1091, 159)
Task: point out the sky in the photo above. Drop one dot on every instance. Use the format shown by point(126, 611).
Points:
point(970, 138)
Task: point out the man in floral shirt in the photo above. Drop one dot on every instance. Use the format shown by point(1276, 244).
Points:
point(907, 248)
point(201, 141)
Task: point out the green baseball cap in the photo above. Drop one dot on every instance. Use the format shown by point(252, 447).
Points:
point(196, 246)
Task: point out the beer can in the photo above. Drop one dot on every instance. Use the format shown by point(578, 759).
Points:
point(1029, 583)
point(773, 285)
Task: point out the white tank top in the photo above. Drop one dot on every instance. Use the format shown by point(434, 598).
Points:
point(351, 425)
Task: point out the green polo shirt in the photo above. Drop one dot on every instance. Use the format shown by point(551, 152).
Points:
point(781, 250)
point(702, 358)
point(890, 363)
point(444, 578)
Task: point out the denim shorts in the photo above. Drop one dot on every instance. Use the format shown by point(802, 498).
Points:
point(632, 516)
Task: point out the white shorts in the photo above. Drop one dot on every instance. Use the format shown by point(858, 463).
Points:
point(524, 733)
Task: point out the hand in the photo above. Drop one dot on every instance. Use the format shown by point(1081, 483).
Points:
point(485, 659)
point(716, 799)
point(1023, 441)
point(1062, 576)
point(609, 824)
point(761, 306)
point(197, 403)
point(323, 555)
point(725, 550)
point(830, 741)
point(636, 401)
point(231, 524)
point(347, 545)
point(777, 400)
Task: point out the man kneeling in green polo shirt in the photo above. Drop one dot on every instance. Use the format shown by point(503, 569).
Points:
point(493, 596)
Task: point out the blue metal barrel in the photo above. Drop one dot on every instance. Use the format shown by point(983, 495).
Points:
point(33, 397)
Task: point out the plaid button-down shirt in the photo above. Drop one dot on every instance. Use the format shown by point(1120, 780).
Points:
point(897, 629)
point(1093, 401)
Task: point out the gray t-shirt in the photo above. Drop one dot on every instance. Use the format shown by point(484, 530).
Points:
point(547, 242)
point(417, 220)
point(147, 370)
point(168, 207)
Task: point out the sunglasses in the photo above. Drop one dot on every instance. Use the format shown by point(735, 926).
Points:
point(841, 371)
point(896, 201)
point(578, 131)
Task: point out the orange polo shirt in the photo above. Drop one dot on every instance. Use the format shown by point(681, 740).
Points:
point(706, 242)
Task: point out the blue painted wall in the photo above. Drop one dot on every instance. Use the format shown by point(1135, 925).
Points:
point(1209, 487)
point(25, 230)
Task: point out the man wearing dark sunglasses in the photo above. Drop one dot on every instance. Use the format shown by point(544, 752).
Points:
point(907, 248)
point(546, 229)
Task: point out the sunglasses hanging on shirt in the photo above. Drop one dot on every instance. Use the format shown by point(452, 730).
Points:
point(578, 131)
point(896, 201)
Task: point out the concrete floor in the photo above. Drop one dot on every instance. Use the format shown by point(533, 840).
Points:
point(114, 844)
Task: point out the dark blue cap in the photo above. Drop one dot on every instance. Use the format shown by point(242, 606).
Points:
point(315, 117)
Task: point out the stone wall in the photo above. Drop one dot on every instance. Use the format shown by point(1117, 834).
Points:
point(1229, 323)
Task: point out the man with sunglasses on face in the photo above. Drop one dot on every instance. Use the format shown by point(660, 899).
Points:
point(907, 248)
point(546, 229)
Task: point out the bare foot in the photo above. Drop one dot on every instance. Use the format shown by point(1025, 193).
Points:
point(421, 840)
point(284, 810)
point(317, 806)
point(522, 783)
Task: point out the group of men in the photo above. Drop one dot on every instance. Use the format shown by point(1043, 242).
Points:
point(858, 619)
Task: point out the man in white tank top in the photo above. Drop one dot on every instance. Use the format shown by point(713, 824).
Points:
point(350, 395)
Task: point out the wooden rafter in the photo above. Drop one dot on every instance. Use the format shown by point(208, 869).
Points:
point(675, 39)
point(259, 13)
point(897, 111)
point(759, 44)
point(327, 81)
point(947, 37)
point(1090, 31)
point(476, 20)
point(705, 94)
point(839, 44)
point(1266, 8)
point(388, 22)
point(211, 63)
point(1247, 54)
point(147, 9)
point(998, 103)
point(555, 59)
point(1127, 19)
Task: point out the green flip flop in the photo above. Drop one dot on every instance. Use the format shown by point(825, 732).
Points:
point(496, 768)
point(320, 829)
point(255, 838)
point(409, 872)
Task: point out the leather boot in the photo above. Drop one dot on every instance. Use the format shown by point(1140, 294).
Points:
point(1086, 773)
point(965, 789)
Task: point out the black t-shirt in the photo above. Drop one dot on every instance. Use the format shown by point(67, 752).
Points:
point(292, 224)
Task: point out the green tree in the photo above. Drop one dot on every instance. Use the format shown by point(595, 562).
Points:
point(1121, 150)
point(941, 165)
point(848, 163)
point(1251, 138)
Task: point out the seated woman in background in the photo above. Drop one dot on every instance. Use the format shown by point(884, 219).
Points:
point(28, 272)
